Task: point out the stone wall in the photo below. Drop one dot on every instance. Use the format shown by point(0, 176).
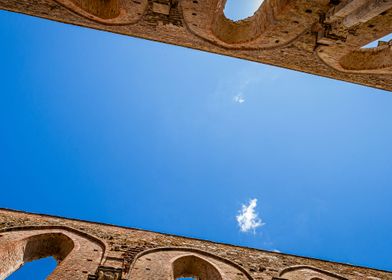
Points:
point(322, 37)
point(86, 250)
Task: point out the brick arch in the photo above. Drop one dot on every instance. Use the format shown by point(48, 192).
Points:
point(168, 262)
point(263, 30)
point(368, 59)
point(108, 12)
point(376, 60)
point(77, 253)
point(353, 56)
point(194, 266)
point(104, 9)
point(304, 272)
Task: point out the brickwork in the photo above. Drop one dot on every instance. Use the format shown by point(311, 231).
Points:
point(91, 251)
point(322, 37)
point(77, 254)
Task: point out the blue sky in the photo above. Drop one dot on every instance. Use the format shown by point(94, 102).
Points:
point(114, 129)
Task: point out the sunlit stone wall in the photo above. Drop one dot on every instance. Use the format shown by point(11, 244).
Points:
point(86, 250)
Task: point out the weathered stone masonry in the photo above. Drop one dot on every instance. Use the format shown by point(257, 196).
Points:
point(86, 250)
point(322, 37)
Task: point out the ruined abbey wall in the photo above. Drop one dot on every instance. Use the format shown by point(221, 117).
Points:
point(322, 37)
point(86, 250)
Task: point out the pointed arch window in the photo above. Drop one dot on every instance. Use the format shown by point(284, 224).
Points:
point(20, 246)
point(194, 267)
point(34, 248)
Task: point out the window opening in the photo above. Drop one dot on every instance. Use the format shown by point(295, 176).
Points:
point(378, 41)
point(194, 268)
point(241, 9)
point(37, 270)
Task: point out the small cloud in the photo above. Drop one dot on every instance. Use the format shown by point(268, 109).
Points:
point(247, 218)
point(239, 98)
point(242, 88)
point(276, 251)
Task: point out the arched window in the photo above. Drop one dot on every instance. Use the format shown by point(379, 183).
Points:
point(108, 11)
point(103, 9)
point(184, 264)
point(308, 272)
point(56, 245)
point(77, 254)
point(246, 24)
point(193, 267)
point(40, 269)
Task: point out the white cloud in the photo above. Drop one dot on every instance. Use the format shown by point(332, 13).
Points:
point(247, 218)
point(239, 98)
point(242, 87)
